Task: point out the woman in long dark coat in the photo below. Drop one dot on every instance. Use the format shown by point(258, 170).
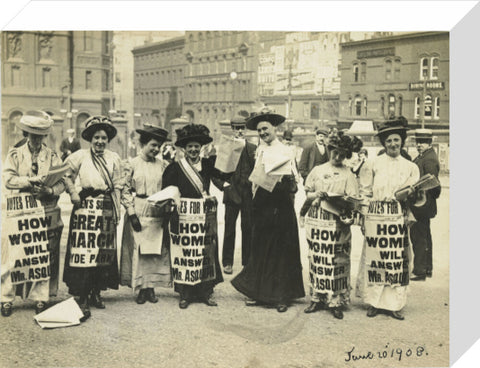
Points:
point(191, 138)
point(273, 273)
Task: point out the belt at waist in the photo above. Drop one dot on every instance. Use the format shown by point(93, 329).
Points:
point(143, 196)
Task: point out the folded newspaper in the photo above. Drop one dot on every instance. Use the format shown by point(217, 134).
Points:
point(339, 204)
point(55, 174)
point(63, 314)
point(228, 154)
point(170, 192)
point(426, 182)
point(277, 163)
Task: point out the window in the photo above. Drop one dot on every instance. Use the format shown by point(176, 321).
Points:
point(382, 106)
point(355, 72)
point(87, 41)
point(358, 106)
point(365, 106)
point(423, 68)
point(46, 78)
point(396, 70)
point(434, 70)
point(106, 81)
point(363, 74)
point(391, 105)
point(417, 107)
point(88, 79)
point(400, 105)
point(436, 110)
point(428, 107)
point(314, 111)
point(117, 77)
point(350, 106)
point(15, 75)
point(388, 70)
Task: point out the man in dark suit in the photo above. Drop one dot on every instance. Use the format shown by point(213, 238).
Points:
point(69, 144)
point(314, 154)
point(237, 197)
point(420, 234)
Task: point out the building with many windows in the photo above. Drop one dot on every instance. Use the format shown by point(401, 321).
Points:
point(159, 69)
point(66, 74)
point(406, 74)
point(123, 44)
point(221, 75)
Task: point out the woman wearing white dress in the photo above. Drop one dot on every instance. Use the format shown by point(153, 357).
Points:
point(380, 178)
point(143, 266)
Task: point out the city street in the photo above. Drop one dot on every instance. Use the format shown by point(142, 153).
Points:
point(233, 335)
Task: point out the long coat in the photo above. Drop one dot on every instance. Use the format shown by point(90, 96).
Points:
point(240, 187)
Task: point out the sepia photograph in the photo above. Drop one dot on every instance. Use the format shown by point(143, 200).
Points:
point(225, 198)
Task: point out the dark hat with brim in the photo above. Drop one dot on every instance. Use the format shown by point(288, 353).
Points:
point(238, 121)
point(423, 135)
point(193, 133)
point(271, 118)
point(96, 123)
point(36, 122)
point(393, 125)
point(154, 132)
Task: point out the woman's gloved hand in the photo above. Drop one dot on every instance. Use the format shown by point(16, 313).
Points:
point(42, 192)
point(36, 180)
point(137, 226)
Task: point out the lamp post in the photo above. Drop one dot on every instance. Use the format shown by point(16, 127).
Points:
point(233, 76)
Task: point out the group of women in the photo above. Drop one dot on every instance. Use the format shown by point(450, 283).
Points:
point(102, 178)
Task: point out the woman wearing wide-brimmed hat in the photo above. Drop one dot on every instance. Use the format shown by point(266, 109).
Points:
point(91, 257)
point(25, 169)
point(380, 179)
point(192, 176)
point(145, 260)
point(273, 273)
point(331, 177)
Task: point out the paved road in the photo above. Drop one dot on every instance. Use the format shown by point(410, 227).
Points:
point(232, 335)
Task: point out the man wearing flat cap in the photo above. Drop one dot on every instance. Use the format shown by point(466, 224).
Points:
point(314, 154)
point(69, 144)
point(237, 197)
point(421, 236)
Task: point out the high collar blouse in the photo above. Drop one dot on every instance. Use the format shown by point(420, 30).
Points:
point(383, 175)
point(142, 176)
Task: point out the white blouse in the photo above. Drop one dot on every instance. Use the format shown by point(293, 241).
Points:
point(383, 175)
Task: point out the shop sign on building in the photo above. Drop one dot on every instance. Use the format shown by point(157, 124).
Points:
point(375, 53)
point(428, 85)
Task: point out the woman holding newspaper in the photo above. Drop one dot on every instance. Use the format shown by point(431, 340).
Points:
point(24, 173)
point(193, 224)
point(145, 260)
point(384, 266)
point(273, 273)
point(91, 256)
point(328, 234)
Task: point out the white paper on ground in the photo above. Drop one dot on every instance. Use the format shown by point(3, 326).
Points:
point(63, 314)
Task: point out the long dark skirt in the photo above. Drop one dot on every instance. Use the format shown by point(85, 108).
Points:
point(82, 280)
point(273, 273)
